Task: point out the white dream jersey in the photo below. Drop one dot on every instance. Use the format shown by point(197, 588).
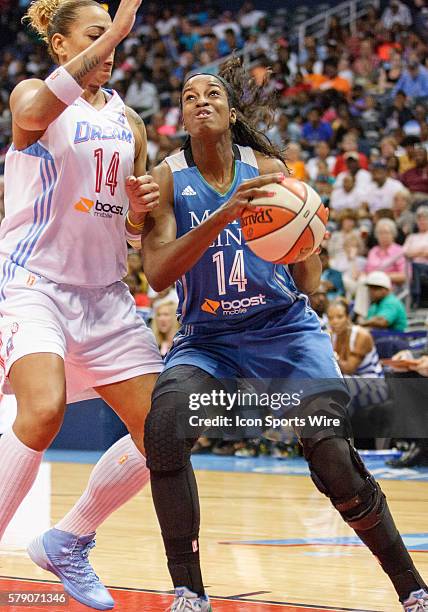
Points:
point(65, 199)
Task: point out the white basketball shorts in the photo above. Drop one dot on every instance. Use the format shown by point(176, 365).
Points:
point(97, 331)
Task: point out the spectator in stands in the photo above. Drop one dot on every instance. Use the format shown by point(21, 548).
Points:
point(141, 299)
point(414, 396)
point(386, 310)
point(323, 155)
point(416, 179)
point(407, 160)
point(229, 42)
point(357, 357)
point(323, 183)
point(399, 113)
point(248, 16)
point(142, 95)
point(346, 195)
point(347, 220)
point(351, 263)
point(135, 269)
point(403, 216)
point(416, 248)
point(295, 161)
point(319, 302)
point(164, 324)
point(414, 80)
point(366, 65)
point(371, 115)
point(393, 167)
point(331, 278)
point(349, 144)
point(284, 131)
point(167, 22)
point(381, 191)
point(388, 147)
point(189, 37)
point(332, 80)
point(396, 13)
point(391, 71)
point(315, 130)
point(361, 177)
point(387, 255)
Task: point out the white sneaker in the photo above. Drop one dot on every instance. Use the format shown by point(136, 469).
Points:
point(185, 600)
point(417, 602)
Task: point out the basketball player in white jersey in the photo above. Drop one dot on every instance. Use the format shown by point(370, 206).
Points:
point(76, 190)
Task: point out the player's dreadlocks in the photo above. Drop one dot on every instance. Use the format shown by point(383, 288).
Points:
point(253, 103)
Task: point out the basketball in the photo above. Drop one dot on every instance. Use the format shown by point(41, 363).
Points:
point(290, 225)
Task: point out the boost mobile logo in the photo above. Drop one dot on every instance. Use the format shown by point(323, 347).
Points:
point(98, 209)
point(210, 306)
point(233, 307)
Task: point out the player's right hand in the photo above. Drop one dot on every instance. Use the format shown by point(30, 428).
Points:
point(245, 197)
point(125, 18)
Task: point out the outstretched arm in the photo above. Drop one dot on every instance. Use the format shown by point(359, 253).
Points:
point(34, 107)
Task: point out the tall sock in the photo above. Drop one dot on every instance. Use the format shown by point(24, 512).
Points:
point(19, 466)
point(119, 475)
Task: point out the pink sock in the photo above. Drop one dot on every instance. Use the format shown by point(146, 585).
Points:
point(19, 466)
point(119, 475)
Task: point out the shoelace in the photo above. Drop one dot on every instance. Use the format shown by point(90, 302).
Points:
point(78, 564)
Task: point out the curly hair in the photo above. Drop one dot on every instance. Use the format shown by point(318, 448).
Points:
point(50, 17)
point(253, 103)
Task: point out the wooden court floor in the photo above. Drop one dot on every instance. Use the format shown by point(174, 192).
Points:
point(260, 547)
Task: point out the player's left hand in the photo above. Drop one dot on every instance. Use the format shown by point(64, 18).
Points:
point(143, 193)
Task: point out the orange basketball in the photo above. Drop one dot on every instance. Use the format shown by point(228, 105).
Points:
point(290, 226)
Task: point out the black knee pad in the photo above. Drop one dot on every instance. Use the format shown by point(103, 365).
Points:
point(167, 447)
point(353, 491)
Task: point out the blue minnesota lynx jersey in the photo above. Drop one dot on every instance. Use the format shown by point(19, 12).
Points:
point(229, 283)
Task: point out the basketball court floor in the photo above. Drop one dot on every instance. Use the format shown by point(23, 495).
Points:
point(269, 540)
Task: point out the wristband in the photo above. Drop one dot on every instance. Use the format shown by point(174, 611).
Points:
point(133, 240)
point(64, 86)
point(138, 228)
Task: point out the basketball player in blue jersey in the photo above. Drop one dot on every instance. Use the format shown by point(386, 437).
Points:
point(76, 190)
point(243, 318)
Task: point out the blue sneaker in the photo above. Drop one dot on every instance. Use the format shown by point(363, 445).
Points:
point(417, 602)
point(186, 601)
point(66, 556)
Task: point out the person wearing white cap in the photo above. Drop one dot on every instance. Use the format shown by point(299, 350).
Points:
point(387, 310)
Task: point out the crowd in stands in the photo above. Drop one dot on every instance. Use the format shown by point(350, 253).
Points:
point(352, 114)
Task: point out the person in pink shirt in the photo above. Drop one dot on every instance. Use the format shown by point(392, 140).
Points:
point(385, 251)
point(416, 248)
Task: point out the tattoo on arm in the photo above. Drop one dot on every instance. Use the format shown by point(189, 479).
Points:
point(88, 64)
